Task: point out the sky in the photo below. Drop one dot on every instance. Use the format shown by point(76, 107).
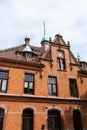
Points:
point(24, 18)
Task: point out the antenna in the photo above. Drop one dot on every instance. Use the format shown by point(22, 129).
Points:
point(44, 28)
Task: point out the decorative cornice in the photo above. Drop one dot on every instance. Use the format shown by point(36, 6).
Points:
point(56, 44)
point(82, 72)
point(21, 62)
point(73, 64)
point(41, 99)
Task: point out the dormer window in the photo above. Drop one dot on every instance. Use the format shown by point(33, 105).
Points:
point(61, 60)
point(28, 55)
point(83, 65)
point(27, 52)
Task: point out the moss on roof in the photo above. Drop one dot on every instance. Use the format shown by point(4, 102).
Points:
point(9, 49)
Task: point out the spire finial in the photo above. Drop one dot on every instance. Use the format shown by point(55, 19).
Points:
point(44, 38)
point(78, 57)
point(44, 28)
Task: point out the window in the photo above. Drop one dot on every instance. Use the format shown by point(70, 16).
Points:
point(29, 84)
point(83, 65)
point(3, 81)
point(73, 87)
point(54, 120)
point(27, 120)
point(52, 86)
point(1, 118)
point(77, 120)
point(27, 55)
point(61, 60)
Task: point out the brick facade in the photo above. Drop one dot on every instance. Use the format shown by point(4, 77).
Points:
point(14, 101)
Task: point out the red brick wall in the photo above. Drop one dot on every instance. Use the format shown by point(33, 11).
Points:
point(13, 110)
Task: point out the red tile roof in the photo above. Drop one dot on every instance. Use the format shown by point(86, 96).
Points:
point(16, 53)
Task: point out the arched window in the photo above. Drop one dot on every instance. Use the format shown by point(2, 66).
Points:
point(27, 123)
point(1, 118)
point(77, 120)
point(54, 120)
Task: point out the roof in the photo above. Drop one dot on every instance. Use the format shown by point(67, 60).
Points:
point(27, 49)
point(44, 38)
point(18, 53)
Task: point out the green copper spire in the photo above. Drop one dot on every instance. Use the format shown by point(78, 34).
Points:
point(44, 38)
point(78, 57)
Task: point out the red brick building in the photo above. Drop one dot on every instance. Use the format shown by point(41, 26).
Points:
point(42, 87)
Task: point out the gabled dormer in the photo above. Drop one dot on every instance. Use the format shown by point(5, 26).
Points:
point(27, 51)
point(83, 64)
point(83, 67)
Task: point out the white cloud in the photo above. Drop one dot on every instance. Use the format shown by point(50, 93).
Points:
point(21, 18)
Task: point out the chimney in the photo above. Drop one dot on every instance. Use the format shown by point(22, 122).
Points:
point(27, 40)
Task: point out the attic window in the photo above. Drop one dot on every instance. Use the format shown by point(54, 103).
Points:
point(60, 54)
point(27, 55)
point(61, 60)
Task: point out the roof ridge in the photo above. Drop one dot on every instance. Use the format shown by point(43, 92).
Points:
point(10, 49)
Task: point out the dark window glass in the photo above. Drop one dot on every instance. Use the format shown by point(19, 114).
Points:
point(54, 120)
point(27, 120)
point(52, 86)
point(73, 87)
point(83, 65)
point(61, 60)
point(77, 120)
point(29, 84)
point(3, 81)
point(1, 118)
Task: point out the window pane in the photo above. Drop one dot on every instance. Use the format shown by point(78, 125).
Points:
point(52, 80)
point(50, 90)
point(26, 85)
point(28, 55)
point(4, 75)
point(52, 86)
point(24, 127)
point(77, 120)
point(3, 81)
point(0, 82)
point(31, 85)
point(73, 87)
point(29, 77)
point(54, 120)
point(59, 64)
point(27, 120)
point(30, 124)
point(4, 84)
point(54, 90)
point(62, 64)
point(60, 54)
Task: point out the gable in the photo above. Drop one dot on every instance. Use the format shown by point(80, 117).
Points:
point(73, 59)
point(59, 40)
